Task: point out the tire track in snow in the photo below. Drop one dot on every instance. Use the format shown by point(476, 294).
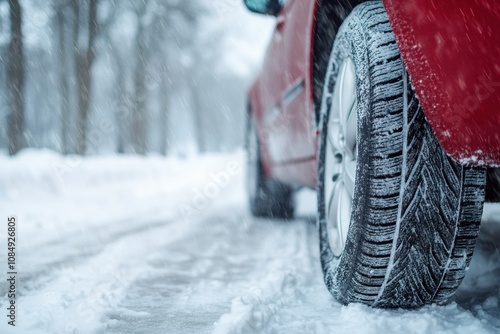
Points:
point(73, 300)
point(78, 247)
point(231, 253)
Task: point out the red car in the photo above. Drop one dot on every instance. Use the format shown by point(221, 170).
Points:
point(391, 110)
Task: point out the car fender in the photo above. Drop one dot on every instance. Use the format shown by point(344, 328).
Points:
point(451, 50)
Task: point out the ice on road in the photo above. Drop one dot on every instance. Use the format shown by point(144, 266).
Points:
point(155, 245)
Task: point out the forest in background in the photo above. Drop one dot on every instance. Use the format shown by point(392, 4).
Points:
point(125, 76)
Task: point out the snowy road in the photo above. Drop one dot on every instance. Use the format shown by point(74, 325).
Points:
point(152, 245)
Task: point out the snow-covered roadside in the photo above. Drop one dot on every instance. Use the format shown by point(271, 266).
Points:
point(155, 245)
point(85, 227)
point(61, 195)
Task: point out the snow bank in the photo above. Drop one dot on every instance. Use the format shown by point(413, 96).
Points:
point(85, 227)
point(45, 188)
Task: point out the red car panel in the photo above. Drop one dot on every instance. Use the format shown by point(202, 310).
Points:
point(452, 52)
point(284, 85)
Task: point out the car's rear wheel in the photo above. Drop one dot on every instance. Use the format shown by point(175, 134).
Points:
point(267, 197)
point(398, 219)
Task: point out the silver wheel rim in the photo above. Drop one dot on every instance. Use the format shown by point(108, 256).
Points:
point(252, 162)
point(341, 158)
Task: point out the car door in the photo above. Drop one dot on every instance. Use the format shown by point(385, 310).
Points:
point(290, 125)
point(271, 86)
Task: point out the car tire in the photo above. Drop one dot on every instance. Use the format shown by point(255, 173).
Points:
point(406, 234)
point(267, 197)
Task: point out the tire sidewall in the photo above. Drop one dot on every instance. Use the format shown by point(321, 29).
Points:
point(350, 43)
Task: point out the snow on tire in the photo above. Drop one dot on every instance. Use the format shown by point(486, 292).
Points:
point(415, 213)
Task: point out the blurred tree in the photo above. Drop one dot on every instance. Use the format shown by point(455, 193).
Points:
point(199, 116)
point(164, 109)
point(61, 10)
point(149, 68)
point(84, 59)
point(122, 104)
point(200, 77)
point(139, 131)
point(15, 77)
point(162, 25)
point(119, 53)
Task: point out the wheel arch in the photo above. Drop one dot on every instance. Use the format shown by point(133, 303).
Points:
point(254, 113)
point(328, 17)
point(493, 185)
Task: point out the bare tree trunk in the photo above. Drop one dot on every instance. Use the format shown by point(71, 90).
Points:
point(122, 103)
point(139, 132)
point(121, 115)
point(15, 74)
point(164, 113)
point(63, 81)
point(75, 33)
point(199, 124)
point(84, 73)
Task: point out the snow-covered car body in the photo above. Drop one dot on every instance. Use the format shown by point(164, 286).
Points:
point(451, 51)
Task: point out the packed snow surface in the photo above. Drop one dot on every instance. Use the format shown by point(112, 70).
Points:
point(166, 245)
